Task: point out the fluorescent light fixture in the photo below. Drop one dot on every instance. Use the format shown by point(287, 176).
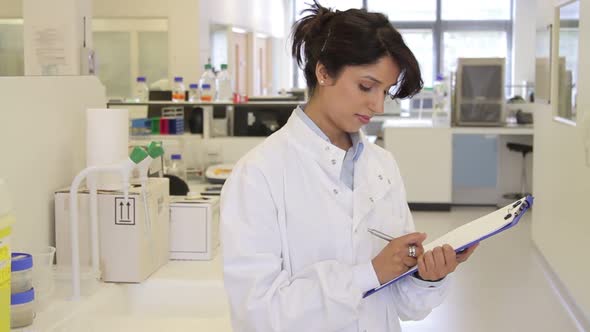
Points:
point(12, 21)
point(261, 35)
point(238, 30)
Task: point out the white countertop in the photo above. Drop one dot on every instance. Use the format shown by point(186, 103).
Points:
point(427, 124)
point(180, 296)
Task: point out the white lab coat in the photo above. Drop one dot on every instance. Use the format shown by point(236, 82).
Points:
point(297, 254)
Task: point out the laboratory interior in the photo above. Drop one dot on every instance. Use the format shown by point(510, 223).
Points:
point(121, 120)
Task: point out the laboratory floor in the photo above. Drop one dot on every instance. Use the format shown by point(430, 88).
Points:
point(501, 288)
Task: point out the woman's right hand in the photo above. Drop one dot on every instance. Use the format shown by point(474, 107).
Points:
point(394, 260)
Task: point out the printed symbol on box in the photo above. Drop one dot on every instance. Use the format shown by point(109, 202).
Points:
point(124, 211)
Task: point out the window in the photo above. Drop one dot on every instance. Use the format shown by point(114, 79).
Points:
point(476, 10)
point(420, 42)
point(440, 31)
point(472, 44)
point(401, 10)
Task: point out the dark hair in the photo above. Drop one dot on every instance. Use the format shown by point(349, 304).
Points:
point(350, 38)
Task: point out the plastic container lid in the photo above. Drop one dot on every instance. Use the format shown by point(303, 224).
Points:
point(178, 79)
point(21, 262)
point(208, 66)
point(193, 86)
point(223, 66)
point(176, 157)
point(206, 86)
point(22, 298)
point(141, 79)
point(5, 202)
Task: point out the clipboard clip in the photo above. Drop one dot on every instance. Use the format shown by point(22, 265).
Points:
point(518, 206)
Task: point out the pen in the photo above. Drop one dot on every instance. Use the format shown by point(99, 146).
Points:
point(380, 234)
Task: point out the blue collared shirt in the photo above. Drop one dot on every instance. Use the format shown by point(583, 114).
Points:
point(351, 156)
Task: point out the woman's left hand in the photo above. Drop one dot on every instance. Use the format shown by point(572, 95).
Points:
point(438, 263)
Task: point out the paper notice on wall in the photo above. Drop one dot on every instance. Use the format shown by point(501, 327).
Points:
point(49, 46)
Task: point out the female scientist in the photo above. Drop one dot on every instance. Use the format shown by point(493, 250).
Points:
point(296, 209)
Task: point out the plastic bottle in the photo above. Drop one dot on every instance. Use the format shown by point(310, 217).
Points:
point(193, 92)
point(224, 84)
point(209, 78)
point(6, 221)
point(177, 167)
point(141, 90)
point(178, 91)
point(441, 109)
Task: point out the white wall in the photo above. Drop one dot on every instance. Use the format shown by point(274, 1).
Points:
point(561, 222)
point(523, 49)
point(11, 9)
point(43, 146)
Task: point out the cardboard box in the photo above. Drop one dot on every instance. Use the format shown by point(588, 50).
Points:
point(194, 228)
point(129, 250)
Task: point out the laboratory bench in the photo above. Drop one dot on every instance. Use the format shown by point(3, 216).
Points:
point(445, 166)
point(180, 296)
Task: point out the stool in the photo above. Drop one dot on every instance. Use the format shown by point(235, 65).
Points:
point(524, 149)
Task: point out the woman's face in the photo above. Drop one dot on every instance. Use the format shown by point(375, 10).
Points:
point(358, 93)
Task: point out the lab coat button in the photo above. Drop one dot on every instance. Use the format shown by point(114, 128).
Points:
point(388, 181)
point(380, 177)
point(371, 199)
point(333, 161)
point(335, 191)
point(327, 148)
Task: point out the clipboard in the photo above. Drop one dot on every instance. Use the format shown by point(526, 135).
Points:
point(473, 232)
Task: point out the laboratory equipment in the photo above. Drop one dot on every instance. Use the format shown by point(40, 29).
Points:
point(260, 119)
point(441, 116)
point(479, 92)
point(124, 168)
point(43, 280)
point(207, 84)
point(141, 127)
point(218, 174)
point(193, 92)
point(154, 150)
point(178, 91)
point(141, 90)
point(22, 309)
point(224, 84)
point(177, 167)
point(194, 227)
point(21, 279)
point(206, 92)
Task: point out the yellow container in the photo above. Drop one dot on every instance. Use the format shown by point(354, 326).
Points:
point(6, 221)
point(5, 230)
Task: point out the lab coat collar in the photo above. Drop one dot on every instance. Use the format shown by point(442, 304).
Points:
point(371, 180)
point(357, 144)
point(329, 156)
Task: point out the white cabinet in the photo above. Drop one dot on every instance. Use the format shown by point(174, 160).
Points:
point(424, 156)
